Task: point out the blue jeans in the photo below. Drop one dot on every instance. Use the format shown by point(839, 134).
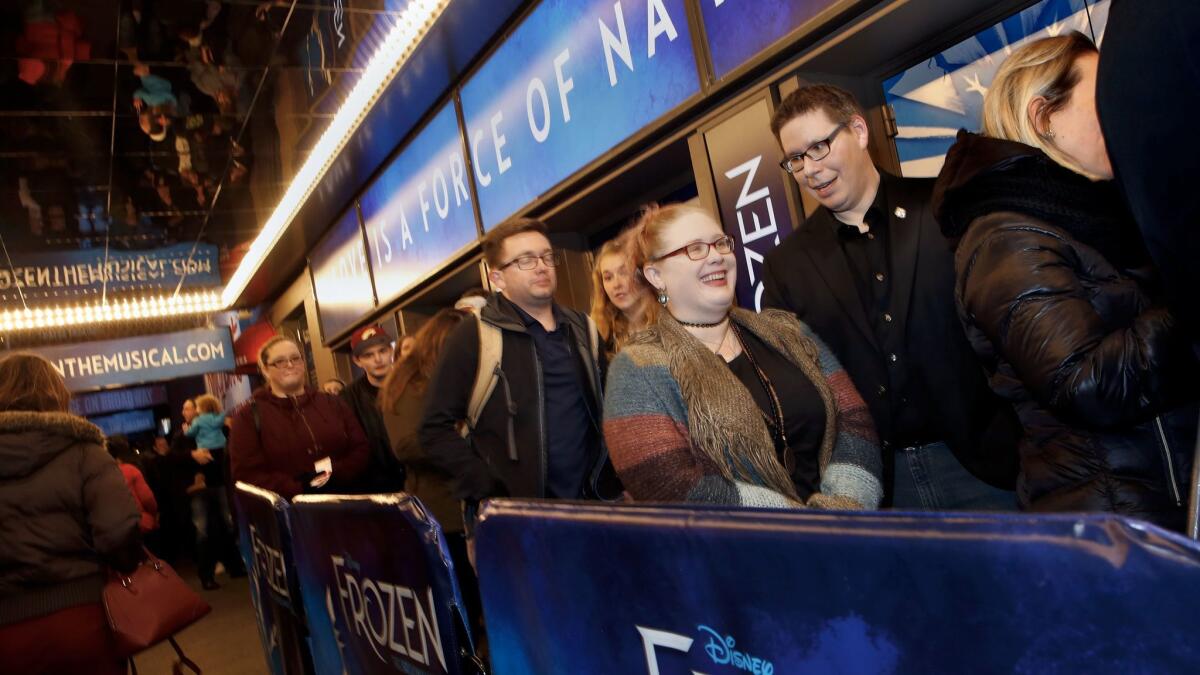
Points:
point(930, 478)
point(213, 541)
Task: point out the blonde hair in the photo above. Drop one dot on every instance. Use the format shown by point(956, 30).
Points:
point(269, 344)
point(611, 322)
point(30, 383)
point(1043, 68)
point(208, 404)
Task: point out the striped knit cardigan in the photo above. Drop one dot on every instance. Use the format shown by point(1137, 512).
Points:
point(679, 424)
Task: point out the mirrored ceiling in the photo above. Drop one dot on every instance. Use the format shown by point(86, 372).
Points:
point(152, 126)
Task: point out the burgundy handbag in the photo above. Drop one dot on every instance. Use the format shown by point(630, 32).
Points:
point(151, 605)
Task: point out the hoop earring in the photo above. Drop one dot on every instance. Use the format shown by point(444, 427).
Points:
point(663, 297)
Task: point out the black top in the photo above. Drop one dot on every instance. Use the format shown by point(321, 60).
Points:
point(566, 414)
point(803, 408)
point(869, 256)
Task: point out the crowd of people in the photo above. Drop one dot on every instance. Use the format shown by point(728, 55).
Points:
point(993, 340)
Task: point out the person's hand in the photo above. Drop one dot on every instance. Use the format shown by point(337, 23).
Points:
point(321, 479)
point(199, 485)
point(202, 456)
point(138, 104)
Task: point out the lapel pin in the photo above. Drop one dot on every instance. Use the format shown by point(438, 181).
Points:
point(900, 212)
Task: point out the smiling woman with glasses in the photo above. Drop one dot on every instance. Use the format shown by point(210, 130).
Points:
point(721, 405)
point(292, 438)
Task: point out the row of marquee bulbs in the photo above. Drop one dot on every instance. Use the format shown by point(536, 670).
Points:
point(410, 27)
point(116, 310)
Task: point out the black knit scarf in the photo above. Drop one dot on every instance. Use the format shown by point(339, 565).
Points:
point(1093, 212)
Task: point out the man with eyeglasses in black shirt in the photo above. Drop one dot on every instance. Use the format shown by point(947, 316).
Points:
point(871, 273)
point(538, 433)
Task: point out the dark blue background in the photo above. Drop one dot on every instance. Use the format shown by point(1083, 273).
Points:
point(739, 29)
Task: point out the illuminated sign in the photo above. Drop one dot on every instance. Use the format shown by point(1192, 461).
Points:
point(739, 29)
point(419, 212)
point(575, 79)
point(63, 273)
point(145, 358)
point(341, 278)
point(750, 193)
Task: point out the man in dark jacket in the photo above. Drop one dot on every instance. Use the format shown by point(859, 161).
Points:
point(871, 273)
point(371, 348)
point(539, 434)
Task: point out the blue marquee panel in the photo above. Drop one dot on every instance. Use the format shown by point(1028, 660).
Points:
point(574, 80)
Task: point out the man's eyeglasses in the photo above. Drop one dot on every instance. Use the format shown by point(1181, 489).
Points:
point(528, 262)
point(698, 250)
point(816, 152)
point(286, 362)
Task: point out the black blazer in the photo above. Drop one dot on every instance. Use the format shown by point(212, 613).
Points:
point(808, 274)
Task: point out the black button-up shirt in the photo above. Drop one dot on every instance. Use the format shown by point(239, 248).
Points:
point(567, 419)
point(869, 256)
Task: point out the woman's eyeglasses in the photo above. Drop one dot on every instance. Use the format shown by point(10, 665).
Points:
point(698, 250)
point(286, 362)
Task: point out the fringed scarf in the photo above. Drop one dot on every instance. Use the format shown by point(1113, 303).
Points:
point(725, 424)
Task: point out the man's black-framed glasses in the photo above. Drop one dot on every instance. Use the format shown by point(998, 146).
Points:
point(528, 262)
point(816, 152)
point(698, 250)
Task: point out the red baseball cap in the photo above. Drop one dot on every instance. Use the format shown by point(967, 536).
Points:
point(368, 336)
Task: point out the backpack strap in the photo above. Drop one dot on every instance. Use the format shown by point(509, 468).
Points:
point(593, 338)
point(491, 351)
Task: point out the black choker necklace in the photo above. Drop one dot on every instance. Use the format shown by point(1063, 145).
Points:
point(714, 324)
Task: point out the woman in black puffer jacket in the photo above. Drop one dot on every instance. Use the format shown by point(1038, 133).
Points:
point(1054, 290)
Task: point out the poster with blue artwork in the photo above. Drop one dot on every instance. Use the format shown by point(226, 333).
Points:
point(935, 98)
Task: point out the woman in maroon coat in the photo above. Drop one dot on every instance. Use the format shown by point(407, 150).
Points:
point(291, 438)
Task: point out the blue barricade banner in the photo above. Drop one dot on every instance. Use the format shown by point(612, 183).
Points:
point(142, 358)
point(678, 591)
point(264, 533)
point(378, 585)
point(63, 273)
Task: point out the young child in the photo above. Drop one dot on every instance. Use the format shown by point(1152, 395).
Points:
point(206, 428)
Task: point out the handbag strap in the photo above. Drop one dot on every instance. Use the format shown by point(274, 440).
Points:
point(183, 659)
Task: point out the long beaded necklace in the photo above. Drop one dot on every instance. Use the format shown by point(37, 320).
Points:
point(775, 419)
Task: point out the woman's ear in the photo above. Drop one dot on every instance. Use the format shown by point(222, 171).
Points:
point(652, 276)
point(1038, 119)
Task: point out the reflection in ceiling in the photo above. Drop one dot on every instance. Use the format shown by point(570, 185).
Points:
point(168, 128)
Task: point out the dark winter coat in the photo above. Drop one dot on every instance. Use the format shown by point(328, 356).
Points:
point(278, 451)
point(423, 479)
point(484, 466)
point(1149, 74)
point(65, 513)
point(1046, 291)
point(384, 473)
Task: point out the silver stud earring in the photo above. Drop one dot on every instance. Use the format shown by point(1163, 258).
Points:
point(663, 297)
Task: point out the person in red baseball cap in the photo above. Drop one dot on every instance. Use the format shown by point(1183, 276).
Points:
point(371, 348)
